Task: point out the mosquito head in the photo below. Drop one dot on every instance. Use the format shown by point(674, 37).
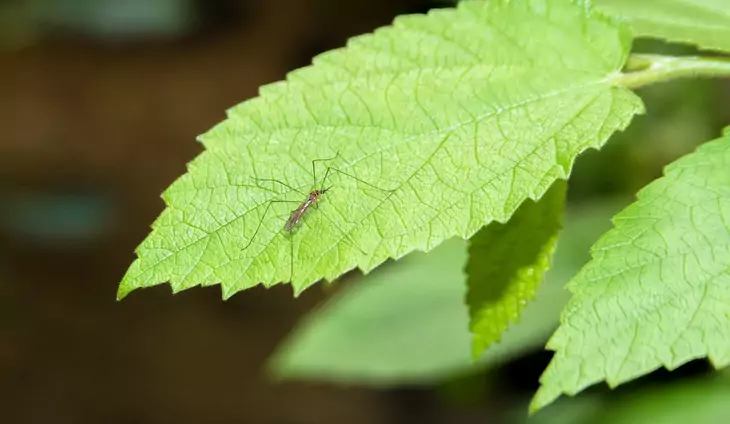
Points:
point(325, 190)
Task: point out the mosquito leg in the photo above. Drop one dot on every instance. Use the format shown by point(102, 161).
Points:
point(263, 218)
point(347, 236)
point(356, 179)
point(314, 171)
point(282, 183)
point(291, 260)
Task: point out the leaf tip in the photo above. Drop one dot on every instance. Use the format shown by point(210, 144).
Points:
point(130, 280)
point(177, 288)
point(123, 290)
point(227, 291)
point(477, 348)
point(542, 398)
point(298, 290)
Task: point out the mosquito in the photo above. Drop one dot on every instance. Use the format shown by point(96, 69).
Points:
point(311, 200)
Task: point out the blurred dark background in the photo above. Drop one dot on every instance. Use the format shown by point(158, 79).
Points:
point(100, 104)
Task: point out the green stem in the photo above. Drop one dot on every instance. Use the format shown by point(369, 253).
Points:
point(645, 69)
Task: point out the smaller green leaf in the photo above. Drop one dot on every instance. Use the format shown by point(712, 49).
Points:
point(507, 263)
point(705, 23)
point(657, 291)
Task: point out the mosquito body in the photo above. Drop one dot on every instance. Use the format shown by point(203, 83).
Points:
point(299, 212)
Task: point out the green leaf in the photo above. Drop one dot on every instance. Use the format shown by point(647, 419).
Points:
point(406, 322)
point(688, 400)
point(507, 263)
point(458, 113)
point(699, 400)
point(705, 23)
point(657, 291)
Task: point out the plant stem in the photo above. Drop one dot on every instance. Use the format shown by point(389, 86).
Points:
point(645, 69)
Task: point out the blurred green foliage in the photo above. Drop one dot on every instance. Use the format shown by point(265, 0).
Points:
point(699, 399)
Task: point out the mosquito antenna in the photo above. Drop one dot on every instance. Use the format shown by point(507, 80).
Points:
point(326, 174)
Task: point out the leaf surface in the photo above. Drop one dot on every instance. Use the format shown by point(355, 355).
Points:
point(657, 291)
point(704, 23)
point(507, 263)
point(458, 114)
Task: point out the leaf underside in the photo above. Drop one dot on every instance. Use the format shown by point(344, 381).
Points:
point(507, 263)
point(657, 291)
point(704, 23)
point(459, 114)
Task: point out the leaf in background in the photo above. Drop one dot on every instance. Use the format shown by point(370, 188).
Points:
point(458, 112)
point(698, 400)
point(579, 410)
point(689, 400)
point(507, 263)
point(406, 322)
point(705, 23)
point(657, 291)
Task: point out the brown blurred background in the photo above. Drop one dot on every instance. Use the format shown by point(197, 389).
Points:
point(100, 104)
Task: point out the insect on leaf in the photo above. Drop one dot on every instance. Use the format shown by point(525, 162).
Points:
point(457, 112)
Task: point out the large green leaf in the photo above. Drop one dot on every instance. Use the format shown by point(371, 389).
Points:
point(462, 114)
point(406, 322)
point(507, 263)
point(657, 291)
point(705, 23)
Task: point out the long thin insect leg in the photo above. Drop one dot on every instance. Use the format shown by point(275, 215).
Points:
point(263, 218)
point(347, 236)
point(326, 174)
point(334, 224)
point(282, 183)
point(291, 259)
point(355, 178)
point(314, 171)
